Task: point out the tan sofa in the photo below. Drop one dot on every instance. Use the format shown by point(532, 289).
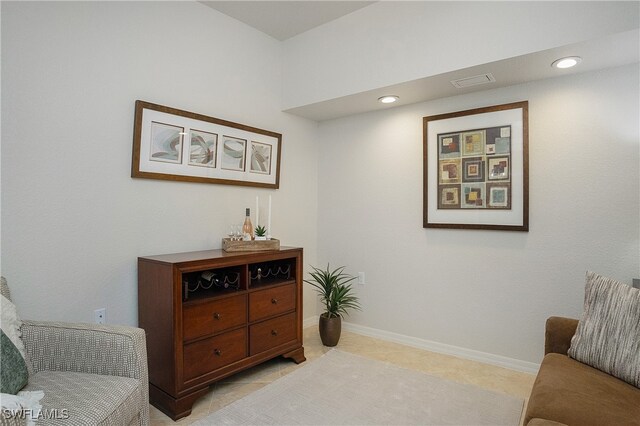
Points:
point(572, 393)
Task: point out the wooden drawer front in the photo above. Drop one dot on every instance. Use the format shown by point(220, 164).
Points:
point(214, 316)
point(272, 301)
point(271, 333)
point(213, 353)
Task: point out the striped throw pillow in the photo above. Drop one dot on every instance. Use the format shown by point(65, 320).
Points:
point(608, 334)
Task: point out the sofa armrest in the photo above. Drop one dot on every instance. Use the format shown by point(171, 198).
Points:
point(89, 348)
point(86, 348)
point(544, 422)
point(558, 334)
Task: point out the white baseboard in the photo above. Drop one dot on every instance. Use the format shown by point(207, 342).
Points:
point(428, 345)
point(308, 322)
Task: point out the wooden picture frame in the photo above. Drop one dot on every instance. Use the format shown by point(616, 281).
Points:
point(177, 145)
point(476, 168)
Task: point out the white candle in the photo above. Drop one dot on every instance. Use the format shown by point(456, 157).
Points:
point(269, 218)
point(257, 211)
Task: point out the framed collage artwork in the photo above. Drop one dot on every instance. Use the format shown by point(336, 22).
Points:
point(476, 169)
point(172, 144)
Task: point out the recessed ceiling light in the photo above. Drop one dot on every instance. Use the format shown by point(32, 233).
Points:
point(568, 62)
point(389, 99)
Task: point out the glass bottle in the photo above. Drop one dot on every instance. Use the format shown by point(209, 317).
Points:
point(247, 227)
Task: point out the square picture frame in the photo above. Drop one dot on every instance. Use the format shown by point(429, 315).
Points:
point(473, 169)
point(498, 195)
point(488, 151)
point(449, 197)
point(203, 148)
point(178, 145)
point(166, 143)
point(498, 168)
point(234, 153)
point(260, 158)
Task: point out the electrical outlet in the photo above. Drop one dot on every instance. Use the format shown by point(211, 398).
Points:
point(100, 316)
point(361, 278)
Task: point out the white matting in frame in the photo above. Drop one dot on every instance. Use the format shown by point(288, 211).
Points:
point(496, 215)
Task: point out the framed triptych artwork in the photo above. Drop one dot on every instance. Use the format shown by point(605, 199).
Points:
point(172, 144)
point(476, 171)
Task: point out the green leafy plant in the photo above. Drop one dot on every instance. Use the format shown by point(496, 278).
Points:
point(261, 231)
point(335, 290)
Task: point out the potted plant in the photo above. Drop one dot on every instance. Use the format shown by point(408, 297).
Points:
point(261, 233)
point(335, 291)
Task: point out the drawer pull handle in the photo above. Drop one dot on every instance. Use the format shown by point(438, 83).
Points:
point(274, 332)
point(217, 316)
point(274, 301)
point(218, 352)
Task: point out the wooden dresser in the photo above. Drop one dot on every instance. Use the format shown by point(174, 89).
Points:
point(210, 314)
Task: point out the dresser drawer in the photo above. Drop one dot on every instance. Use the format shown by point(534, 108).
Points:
point(210, 354)
point(271, 301)
point(214, 316)
point(271, 333)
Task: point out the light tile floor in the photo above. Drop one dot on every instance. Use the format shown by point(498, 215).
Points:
point(456, 369)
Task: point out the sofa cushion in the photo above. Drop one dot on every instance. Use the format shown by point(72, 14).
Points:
point(608, 334)
point(72, 398)
point(570, 392)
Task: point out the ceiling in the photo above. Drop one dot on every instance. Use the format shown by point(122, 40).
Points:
point(285, 19)
point(607, 52)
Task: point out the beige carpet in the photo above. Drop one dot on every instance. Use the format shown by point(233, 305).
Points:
point(344, 389)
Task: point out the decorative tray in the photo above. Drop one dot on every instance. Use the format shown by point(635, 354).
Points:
point(254, 245)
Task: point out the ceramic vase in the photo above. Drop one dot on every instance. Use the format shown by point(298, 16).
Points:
point(330, 329)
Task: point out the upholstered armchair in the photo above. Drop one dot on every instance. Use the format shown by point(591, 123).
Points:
point(90, 374)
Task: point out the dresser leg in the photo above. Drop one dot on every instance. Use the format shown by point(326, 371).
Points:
point(296, 355)
point(176, 408)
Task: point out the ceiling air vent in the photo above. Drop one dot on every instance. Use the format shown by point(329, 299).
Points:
point(473, 81)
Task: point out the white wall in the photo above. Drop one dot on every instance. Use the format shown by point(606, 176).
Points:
point(488, 291)
point(391, 42)
point(73, 220)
